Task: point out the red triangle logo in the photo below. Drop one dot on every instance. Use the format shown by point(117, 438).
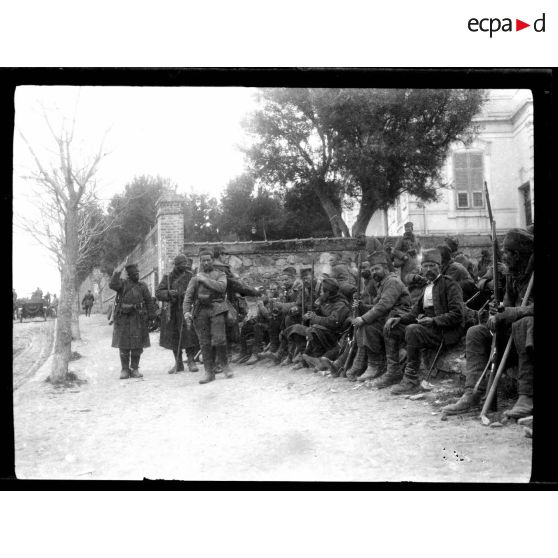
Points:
point(519, 25)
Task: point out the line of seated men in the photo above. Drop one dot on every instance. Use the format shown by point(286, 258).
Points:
point(394, 320)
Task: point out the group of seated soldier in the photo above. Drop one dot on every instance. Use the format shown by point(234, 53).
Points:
point(379, 336)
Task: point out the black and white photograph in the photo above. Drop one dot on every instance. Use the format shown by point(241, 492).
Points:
point(266, 283)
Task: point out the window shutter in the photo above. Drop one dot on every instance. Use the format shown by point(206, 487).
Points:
point(462, 199)
point(478, 199)
point(469, 178)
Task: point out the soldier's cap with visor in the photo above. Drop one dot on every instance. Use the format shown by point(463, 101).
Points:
point(182, 259)
point(445, 252)
point(519, 240)
point(432, 256)
point(408, 224)
point(289, 271)
point(218, 250)
point(305, 271)
point(452, 243)
point(330, 284)
point(378, 257)
point(205, 252)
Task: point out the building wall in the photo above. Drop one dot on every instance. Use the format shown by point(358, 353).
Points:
point(506, 141)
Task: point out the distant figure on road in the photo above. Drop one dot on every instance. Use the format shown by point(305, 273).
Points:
point(37, 295)
point(132, 312)
point(87, 302)
point(406, 251)
point(47, 298)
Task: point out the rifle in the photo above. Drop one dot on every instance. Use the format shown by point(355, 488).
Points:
point(352, 342)
point(496, 300)
point(491, 393)
point(312, 285)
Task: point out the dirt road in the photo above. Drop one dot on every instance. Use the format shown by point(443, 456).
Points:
point(32, 343)
point(264, 424)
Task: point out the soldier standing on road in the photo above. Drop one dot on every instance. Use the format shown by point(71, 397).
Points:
point(132, 312)
point(175, 333)
point(204, 303)
point(87, 302)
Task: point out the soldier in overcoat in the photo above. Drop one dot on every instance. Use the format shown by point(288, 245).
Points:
point(132, 312)
point(175, 333)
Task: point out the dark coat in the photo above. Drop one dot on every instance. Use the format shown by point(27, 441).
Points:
point(393, 299)
point(172, 317)
point(235, 286)
point(88, 300)
point(131, 328)
point(449, 309)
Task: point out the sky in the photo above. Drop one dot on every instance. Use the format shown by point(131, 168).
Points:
point(188, 134)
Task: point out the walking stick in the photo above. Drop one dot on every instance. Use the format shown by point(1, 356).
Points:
point(425, 384)
point(485, 420)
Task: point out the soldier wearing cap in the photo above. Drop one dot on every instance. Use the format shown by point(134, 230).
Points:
point(457, 272)
point(133, 310)
point(392, 300)
point(342, 275)
point(236, 290)
point(437, 315)
point(204, 303)
point(326, 323)
point(453, 244)
point(175, 334)
point(408, 246)
point(516, 321)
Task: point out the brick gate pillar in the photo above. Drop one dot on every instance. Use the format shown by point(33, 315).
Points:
point(170, 230)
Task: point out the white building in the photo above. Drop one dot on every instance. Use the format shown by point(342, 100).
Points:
point(501, 155)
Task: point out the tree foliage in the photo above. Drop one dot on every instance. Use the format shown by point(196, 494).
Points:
point(362, 145)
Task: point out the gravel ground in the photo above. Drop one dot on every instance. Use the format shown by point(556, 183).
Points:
point(264, 424)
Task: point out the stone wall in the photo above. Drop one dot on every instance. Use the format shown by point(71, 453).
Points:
point(261, 263)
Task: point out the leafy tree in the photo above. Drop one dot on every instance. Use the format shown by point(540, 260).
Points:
point(202, 216)
point(361, 145)
point(133, 214)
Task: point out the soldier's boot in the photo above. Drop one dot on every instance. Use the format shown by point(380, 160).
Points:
point(468, 401)
point(190, 355)
point(331, 366)
point(314, 362)
point(208, 365)
point(287, 361)
point(178, 363)
point(523, 408)
point(410, 382)
point(253, 349)
point(134, 363)
point(223, 358)
point(125, 363)
point(359, 364)
point(376, 367)
point(394, 372)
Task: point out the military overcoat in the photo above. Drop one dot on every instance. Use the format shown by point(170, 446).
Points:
point(172, 319)
point(132, 312)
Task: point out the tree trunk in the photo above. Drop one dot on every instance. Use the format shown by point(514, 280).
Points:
point(63, 339)
point(368, 206)
point(338, 225)
point(76, 334)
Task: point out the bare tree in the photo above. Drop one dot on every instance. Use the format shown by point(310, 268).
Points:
point(69, 226)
